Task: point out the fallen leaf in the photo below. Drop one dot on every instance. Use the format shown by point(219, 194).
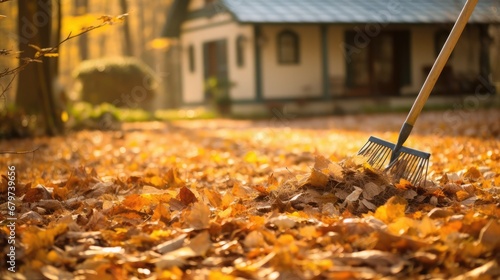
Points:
point(394, 208)
point(317, 179)
point(370, 190)
point(489, 235)
point(186, 196)
point(198, 216)
point(472, 173)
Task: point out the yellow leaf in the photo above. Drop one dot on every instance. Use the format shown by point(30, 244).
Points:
point(403, 184)
point(161, 212)
point(335, 170)
point(50, 54)
point(392, 209)
point(308, 232)
point(159, 43)
point(227, 199)
point(317, 179)
point(472, 173)
point(239, 190)
point(401, 225)
point(462, 195)
point(214, 197)
point(218, 275)
point(36, 239)
point(173, 180)
point(156, 181)
point(250, 157)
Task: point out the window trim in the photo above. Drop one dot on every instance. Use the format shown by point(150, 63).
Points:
point(295, 44)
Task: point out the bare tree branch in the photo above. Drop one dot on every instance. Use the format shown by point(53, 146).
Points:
point(20, 152)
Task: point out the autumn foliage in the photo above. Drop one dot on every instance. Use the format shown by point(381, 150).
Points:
point(240, 200)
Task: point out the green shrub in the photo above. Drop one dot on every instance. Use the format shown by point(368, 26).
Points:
point(125, 82)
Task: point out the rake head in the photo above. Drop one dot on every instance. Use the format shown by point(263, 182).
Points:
point(409, 164)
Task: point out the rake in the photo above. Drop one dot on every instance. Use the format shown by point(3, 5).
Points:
point(396, 159)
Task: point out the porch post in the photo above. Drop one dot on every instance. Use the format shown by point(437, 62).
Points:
point(324, 53)
point(258, 62)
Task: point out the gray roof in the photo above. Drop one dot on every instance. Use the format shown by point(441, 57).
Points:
point(359, 11)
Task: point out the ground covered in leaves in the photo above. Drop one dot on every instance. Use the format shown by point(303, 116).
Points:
point(277, 199)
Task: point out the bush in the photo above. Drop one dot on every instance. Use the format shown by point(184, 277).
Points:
point(121, 81)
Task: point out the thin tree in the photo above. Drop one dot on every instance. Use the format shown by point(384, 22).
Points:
point(36, 28)
point(127, 48)
point(82, 8)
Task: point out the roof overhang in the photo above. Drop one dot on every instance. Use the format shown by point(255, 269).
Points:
point(335, 12)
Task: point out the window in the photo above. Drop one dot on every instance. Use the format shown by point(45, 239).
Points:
point(439, 40)
point(288, 47)
point(191, 58)
point(240, 57)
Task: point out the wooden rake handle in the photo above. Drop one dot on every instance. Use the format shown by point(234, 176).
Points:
point(440, 62)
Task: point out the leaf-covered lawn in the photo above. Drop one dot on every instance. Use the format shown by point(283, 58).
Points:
point(277, 199)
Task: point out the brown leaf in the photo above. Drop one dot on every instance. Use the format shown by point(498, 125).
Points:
point(370, 190)
point(199, 216)
point(213, 196)
point(321, 162)
point(489, 235)
point(161, 213)
point(472, 173)
point(186, 196)
point(36, 194)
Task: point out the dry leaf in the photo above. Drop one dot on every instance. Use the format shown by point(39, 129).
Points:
point(370, 190)
point(186, 196)
point(394, 208)
point(198, 216)
point(317, 179)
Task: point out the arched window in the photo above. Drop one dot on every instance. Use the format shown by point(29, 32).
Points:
point(288, 47)
point(240, 57)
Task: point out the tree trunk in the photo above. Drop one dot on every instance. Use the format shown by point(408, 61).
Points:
point(82, 8)
point(35, 83)
point(127, 48)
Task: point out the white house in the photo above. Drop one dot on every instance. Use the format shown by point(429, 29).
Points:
point(327, 55)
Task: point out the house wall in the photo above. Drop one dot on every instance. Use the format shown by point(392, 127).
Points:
point(302, 80)
point(305, 79)
point(336, 59)
point(221, 26)
point(464, 61)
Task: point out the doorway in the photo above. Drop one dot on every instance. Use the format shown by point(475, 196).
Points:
point(379, 68)
point(215, 62)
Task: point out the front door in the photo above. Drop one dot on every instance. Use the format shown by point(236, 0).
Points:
point(215, 62)
point(379, 67)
